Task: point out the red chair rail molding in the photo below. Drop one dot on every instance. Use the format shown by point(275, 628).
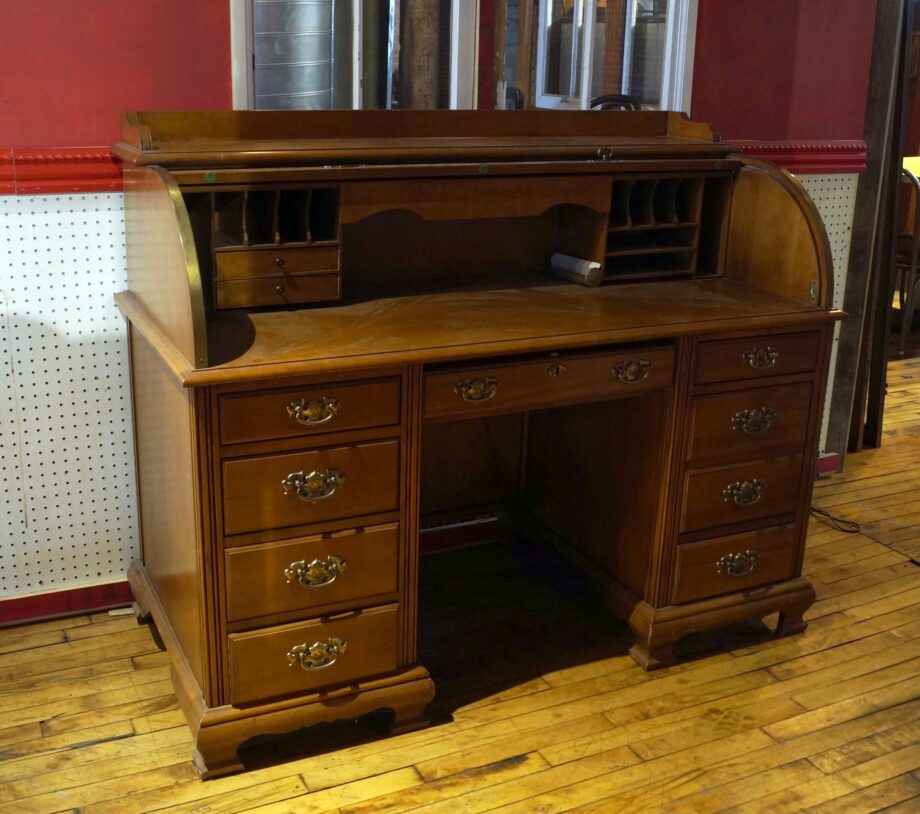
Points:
point(55, 170)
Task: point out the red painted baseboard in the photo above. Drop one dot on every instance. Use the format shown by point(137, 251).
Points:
point(59, 170)
point(809, 156)
point(829, 463)
point(64, 603)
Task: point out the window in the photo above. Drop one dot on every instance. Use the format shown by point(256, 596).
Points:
point(591, 48)
point(321, 54)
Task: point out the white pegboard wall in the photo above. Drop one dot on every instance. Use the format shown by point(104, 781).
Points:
point(67, 506)
point(835, 197)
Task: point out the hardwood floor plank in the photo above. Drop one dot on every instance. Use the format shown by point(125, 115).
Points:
point(902, 789)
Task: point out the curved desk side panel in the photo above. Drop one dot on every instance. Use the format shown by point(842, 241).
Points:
point(163, 272)
point(776, 239)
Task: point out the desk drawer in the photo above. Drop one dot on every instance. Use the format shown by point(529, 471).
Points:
point(484, 389)
point(756, 357)
point(270, 262)
point(311, 410)
point(322, 484)
point(288, 289)
point(734, 563)
point(310, 573)
point(741, 492)
point(750, 422)
point(343, 649)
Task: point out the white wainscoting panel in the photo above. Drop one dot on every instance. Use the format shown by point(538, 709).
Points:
point(835, 197)
point(67, 493)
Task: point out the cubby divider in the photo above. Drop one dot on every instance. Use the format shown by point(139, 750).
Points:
point(654, 228)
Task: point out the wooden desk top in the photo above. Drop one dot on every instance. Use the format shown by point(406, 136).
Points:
point(454, 325)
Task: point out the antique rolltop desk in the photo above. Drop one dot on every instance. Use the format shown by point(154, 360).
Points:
point(325, 310)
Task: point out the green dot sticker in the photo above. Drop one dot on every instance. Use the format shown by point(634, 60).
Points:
point(483, 169)
point(210, 176)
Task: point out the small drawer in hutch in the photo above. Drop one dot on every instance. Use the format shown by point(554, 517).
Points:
point(298, 575)
point(756, 357)
point(734, 563)
point(482, 389)
point(304, 656)
point(271, 261)
point(740, 493)
point(288, 289)
point(309, 410)
point(750, 422)
point(299, 488)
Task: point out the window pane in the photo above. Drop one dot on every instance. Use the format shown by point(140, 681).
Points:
point(648, 36)
point(562, 70)
point(294, 48)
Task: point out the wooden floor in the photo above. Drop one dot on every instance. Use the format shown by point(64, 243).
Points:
point(824, 722)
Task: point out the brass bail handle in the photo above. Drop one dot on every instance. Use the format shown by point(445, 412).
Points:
point(475, 390)
point(755, 421)
point(745, 492)
point(631, 372)
point(311, 412)
point(317, 573)
point(739, 564)
point(761, 358)
point(317, 656)
point(313, 486)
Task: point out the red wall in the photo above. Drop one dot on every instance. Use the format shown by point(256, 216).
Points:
point(784, 70)
point(68, 68)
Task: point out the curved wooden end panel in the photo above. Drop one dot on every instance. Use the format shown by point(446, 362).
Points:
point(163, 268)
point(776, 239)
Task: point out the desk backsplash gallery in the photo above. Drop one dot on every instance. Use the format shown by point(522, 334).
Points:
point(68, 515)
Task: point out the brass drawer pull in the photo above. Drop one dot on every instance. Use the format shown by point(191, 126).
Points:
point(477, 389)
point(744, 493)
point(761, 358)
point(754, 422)
point(737, 565)
point(556, 370)
point(317, 656)
point(316, 573)
point(314, 411)
point(631, 372)
point(312, 486)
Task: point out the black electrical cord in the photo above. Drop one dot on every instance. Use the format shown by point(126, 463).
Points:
point(839, 523)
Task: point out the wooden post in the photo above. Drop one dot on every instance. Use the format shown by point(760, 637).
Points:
point(418, 54)
point(614, 33)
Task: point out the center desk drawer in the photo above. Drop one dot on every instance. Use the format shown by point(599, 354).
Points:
point(507, 386)
point(310, 410)
point(316, 571)
point(305, 656)
point(299, 488)
point(737, 494)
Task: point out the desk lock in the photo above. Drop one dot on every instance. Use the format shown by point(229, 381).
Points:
point(312, 486)
point(754, 422)
point(737, 565)
point(316, 573)
point(317, 656)
point(314, 411)
point(745, 492)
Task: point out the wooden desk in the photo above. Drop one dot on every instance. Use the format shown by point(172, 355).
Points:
point(336, 340)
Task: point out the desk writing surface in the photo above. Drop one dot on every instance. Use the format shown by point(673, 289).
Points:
point(452, 325)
